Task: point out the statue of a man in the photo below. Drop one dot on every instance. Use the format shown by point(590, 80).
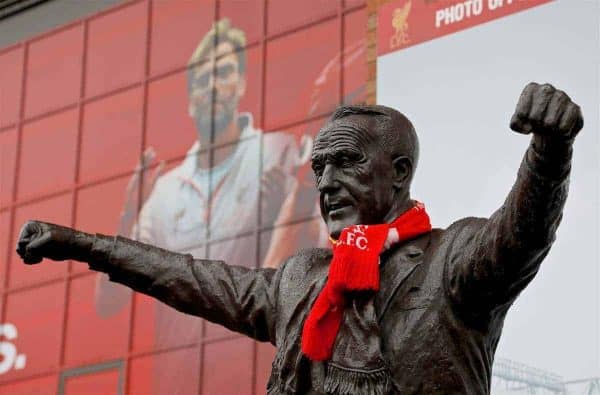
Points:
point(396, 307)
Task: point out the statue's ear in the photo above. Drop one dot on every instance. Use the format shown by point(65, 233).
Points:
point(402, 171)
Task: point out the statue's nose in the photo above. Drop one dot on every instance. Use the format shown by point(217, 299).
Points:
point(328, 181)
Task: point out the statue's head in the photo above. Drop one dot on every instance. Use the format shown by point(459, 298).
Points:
point(364, 159)
point(217, 67)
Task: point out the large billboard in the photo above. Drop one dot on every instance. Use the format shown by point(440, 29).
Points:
point(184, 124)
point(456, 69)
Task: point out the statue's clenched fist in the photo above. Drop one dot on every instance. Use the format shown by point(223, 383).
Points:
point(545, 110)
point(39, 240)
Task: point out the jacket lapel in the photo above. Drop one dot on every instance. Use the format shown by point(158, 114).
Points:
point(397, 266)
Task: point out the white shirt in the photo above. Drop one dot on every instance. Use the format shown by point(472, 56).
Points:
point(176, 215)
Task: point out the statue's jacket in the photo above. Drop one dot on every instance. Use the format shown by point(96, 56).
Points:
point(442, 300)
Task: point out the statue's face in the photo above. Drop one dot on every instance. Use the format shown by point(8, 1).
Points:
point(354, 175)
point(227, 84)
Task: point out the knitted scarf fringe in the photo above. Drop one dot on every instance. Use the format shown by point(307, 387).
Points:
point(340, 381)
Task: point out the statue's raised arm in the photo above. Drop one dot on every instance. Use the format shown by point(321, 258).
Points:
point(498, 257)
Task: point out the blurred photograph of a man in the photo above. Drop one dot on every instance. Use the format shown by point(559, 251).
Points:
point(213, 194)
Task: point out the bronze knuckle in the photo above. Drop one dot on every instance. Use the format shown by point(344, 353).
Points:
point(532, 85)
point(550, 121)
point(562, 96)
point(521, 112)
point(537, 115)
point(547, 89)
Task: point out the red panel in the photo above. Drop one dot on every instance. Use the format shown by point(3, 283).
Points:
point(286, 15)
point(56, 210)
point(251, 101)
point(245, 15)
point(144, 322)
point(3, 320)
point(54, 71)
point(99, 208)
point(174, 372)
point(38, 386)
point(281, 209)
point(355, 57)
point(116, 49)
point(158, 326)
point(4, 245)
point(11, 75)
point(354, 3)
point(294, 65)
point(8, 156)
point(422, 16)
point(112, 135)
point(90, 337)
point(37, 315)
point(283, 241)
point(170, 129)
point(228, 367)
point(102, 218)
point(265, 354)
point(310, 129)
point(182, 22)
point(101, 383)
point(47, 161)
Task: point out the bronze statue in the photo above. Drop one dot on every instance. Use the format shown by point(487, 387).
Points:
point(422, 315)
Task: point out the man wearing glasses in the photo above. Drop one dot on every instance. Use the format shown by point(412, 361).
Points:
point(203, 205)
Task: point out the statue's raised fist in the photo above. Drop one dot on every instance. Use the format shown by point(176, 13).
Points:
point(39, 240)
point(545, 110)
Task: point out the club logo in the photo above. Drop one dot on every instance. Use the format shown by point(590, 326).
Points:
point(400, 24)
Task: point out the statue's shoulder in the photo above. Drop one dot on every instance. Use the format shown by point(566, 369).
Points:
point(465, 224)
point(463, 229)
point(309, 261)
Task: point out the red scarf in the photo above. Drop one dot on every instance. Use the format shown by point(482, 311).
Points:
point(354, 267)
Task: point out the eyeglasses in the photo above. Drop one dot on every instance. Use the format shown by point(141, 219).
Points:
point(202, 81)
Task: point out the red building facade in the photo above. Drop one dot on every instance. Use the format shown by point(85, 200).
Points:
point(79, 106)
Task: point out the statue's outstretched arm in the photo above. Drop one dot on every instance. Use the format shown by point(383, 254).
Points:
point(241, 299)
point(494, 259)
